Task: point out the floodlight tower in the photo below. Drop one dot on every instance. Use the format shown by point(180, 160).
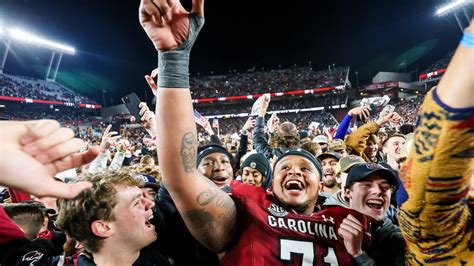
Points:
point(58, 49)
point(453, 7)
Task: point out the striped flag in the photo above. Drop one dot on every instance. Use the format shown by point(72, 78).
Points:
point(200, 120)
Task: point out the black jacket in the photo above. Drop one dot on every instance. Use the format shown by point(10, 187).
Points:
point(260, 141)
point(149, 256)
point(388, 244)
point(174, 238)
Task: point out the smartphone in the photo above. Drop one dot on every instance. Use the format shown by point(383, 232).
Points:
point(132, 101)
point(116, 125)
point(387, 110)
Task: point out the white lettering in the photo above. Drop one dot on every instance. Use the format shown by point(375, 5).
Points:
point(271, 221)
point(332, 234)
point(301, 226)
point(281, 223)
point(304, 227)
point(292, 225)
point(309, 229)
point(322, 230)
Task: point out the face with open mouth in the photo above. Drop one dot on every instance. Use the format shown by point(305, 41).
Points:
point(393, 147)
point(133, 214)
point(218, 168)
point(371, 196)
point(296, 183)
point(329, 165)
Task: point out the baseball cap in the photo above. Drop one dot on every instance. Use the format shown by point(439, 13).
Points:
point(259, 162)
point(148, 181)
point(303, 153)
point(320, 139)
point(347, 162)
point(360, 171)
point(332, 154)
point(336, 145)
point(209, 149)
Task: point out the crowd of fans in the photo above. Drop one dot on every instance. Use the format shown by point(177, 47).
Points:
point(280, 80)
point(274, 189)
point(440, 64)
point(24, 87)
point(280, 104)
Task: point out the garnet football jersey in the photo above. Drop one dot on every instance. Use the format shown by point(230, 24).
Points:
point(270, 234)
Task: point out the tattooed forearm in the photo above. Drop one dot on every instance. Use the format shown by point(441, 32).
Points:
point(206, 197)
point(212, 228)
point(201, 225)
point(189, 152)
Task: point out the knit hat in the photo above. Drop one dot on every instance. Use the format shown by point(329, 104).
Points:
point(204, 151)
point(258, 162)
point(303, 153)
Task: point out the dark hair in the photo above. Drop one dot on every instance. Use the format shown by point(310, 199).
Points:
point(310, 146)
point(277, 141)
point(406, 129)
point(28, 217)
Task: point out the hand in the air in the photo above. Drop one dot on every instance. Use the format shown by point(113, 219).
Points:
point(166, 22)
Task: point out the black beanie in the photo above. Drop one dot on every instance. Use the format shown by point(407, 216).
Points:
point(304, 153)
point(204, 151)
point(259, 162)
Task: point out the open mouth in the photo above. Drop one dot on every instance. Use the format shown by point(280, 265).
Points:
point(294, 185)
point(375, 204)
point(148, 222)
point(219, 179)
point(328, 175)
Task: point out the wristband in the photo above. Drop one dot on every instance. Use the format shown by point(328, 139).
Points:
point(173, 65)
point(468, 39)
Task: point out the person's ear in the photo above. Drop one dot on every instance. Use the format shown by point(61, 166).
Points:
point(348, 193)
point(102, 229)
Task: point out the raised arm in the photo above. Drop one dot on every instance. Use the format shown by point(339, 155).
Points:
point(362, 112)
point(260, 141)
point(209, 213)
point(437, 173)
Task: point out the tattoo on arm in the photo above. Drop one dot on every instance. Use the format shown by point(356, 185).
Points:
point(204, 224)
point(189, 152)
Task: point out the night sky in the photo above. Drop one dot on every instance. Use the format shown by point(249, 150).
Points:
point(113, 52)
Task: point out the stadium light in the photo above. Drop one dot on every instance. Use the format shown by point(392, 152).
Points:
point(29, 37)
point(449, 7)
